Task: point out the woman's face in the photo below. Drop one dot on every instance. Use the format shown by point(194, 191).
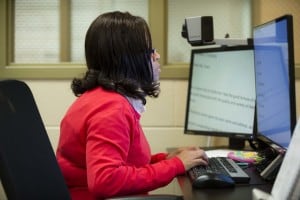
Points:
point(155, 64)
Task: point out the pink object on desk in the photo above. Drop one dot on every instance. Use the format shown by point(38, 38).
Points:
point(244, 156)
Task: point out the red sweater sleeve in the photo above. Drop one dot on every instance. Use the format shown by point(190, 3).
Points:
point(118, 158)
point(158, 157)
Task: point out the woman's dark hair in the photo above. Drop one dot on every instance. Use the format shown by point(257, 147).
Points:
point(118, 49)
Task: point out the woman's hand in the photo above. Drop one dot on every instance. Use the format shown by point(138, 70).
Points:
point(190, 156)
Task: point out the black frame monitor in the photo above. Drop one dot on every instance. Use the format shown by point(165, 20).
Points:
point(275, 81)
point(221, 92)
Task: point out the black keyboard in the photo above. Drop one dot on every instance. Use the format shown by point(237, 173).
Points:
point(220, 165)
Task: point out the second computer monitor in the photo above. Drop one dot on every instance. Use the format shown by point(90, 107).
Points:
point(275, 81)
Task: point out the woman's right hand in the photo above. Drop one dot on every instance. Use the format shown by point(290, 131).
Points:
point(192, 157)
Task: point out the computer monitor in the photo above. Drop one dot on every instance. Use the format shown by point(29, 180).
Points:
point(221, 93)
point(275, 81)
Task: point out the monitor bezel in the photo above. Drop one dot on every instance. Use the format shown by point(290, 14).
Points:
point(292, 93)
point(230, 135)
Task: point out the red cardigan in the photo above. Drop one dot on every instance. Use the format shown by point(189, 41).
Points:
point(103, 151)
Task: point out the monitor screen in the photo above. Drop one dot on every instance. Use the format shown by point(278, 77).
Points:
point(221, 92)
point(275, 81)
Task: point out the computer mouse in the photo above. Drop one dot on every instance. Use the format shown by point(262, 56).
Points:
point(213, 180)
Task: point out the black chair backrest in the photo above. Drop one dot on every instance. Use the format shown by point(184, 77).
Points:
point(28, 166)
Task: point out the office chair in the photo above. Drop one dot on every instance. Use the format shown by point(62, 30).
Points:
point(28, 166)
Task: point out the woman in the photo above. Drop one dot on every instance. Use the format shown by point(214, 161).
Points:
point(102, 149)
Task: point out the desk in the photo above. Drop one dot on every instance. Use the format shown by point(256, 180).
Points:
point(239, 192)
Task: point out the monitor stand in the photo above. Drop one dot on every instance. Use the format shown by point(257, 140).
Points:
point(236, 143)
